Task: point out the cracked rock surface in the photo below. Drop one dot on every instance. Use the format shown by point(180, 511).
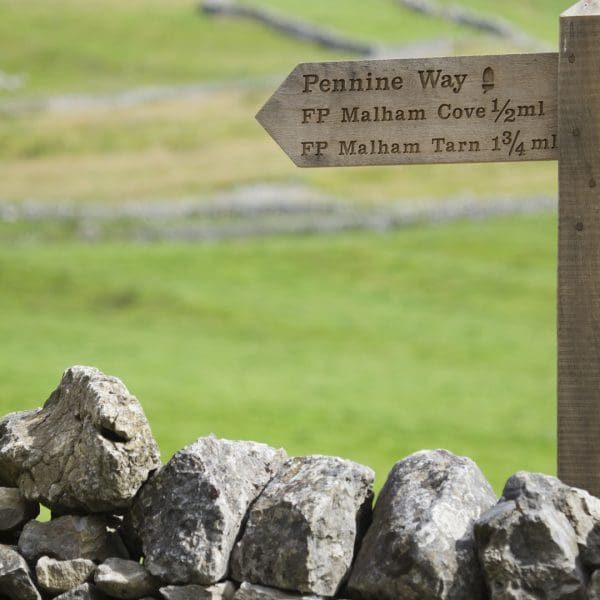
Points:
point(420, 545)
point(188, 516)
point(539, 537)
point(58, 576)
point(15, 577)
point(88, 450)
point(582, 510)
point(302, 531)
point(69, 538)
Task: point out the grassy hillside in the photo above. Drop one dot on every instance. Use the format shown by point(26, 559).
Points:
point(538, 17)
point(204, 145)
point(72, 45)
point(99, 45)
point(380, 19)
point(366, 346)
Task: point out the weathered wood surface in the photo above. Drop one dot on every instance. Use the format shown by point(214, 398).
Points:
point(439, 110)
point(579, 248)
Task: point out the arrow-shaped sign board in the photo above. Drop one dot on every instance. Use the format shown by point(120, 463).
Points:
point(410, 111)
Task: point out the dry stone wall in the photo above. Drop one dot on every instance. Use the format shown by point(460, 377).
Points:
point(236, 520)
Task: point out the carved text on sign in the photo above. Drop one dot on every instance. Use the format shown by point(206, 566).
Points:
point(458, 109)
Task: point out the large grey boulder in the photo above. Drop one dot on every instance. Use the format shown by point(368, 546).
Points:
point(219, 591)
point(302, 531)
point(249, 591)
point(89, 449)
point(188, 516)
point(15, 577)
point(15, 510)
point(58, 576)
point(537, 538)
point(420, 545)
point(125, 579)
point(71, 537)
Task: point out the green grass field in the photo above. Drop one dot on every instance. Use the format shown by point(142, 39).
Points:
point(365, 346)
point(362, 345)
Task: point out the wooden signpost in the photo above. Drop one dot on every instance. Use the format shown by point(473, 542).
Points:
point(483, 109)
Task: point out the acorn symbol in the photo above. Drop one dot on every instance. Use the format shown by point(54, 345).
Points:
point(488, 80)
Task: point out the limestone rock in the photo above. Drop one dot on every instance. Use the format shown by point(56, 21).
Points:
point(15, 511)
point(11, 448)
point(68, 538)
point(58, 576)
point(218, 591)
point(532, 539)
point(15, 577)
point(86, 591)
point(125, 579)
point(249, 591)
point(89, 449)
point(189, 514)
point(420, 545)
point(581, 509)
point(302, 531)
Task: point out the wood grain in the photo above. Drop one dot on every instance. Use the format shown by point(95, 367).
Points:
point(579, 248)
point(410, 111)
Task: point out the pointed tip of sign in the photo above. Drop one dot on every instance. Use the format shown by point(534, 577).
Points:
point(261, 115)
point(583, 8)
point(297, 162)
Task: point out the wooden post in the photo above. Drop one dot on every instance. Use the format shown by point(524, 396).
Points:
point(579, 247)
